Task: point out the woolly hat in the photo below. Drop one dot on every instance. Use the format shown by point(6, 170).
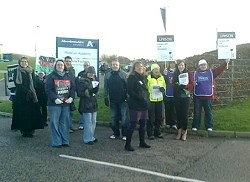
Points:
point(153, 66)
point(91, 69)
point(203, 61)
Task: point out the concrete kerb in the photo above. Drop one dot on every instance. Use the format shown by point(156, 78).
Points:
point(214, 133)
point(202, 133)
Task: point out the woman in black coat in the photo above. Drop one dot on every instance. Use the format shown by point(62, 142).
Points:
point(87, 89)
point(138, 103)
point(41, 95)
point(26, 111)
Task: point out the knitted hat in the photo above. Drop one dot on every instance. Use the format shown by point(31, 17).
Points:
point(91, 69)
point(153, 66)
point(203, 61)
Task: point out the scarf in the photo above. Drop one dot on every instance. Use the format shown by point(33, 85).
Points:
point(28, 70)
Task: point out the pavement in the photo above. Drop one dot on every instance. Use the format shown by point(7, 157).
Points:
point(202, 133)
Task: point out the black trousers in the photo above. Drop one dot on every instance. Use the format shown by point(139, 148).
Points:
point(155, 118)
point(182, 107)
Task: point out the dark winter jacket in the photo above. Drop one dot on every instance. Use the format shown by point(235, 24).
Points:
point(87, 94)
point(115, 86)
point(26, 114)
point(138, 93)
point(50, 87)
point(40, 91)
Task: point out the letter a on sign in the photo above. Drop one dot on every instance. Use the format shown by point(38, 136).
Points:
point(90, 44)
point(163, 15)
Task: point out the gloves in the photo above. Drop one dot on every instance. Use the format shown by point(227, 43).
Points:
point(106, 101)
point(58, 101)
point(69, 100)
point(227, 60)
point(162, 89)
point(95, 90)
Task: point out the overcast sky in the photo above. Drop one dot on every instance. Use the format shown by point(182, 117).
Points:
point(124, 27)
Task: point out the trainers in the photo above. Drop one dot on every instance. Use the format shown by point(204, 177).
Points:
point(113, 137)
point(209, 129)
point(124, 138)
point(158, 136)
point(167, 126)
point(194, 129)
point(174, 127)
point(80, 127)
point(74, 129)
point(71, 131)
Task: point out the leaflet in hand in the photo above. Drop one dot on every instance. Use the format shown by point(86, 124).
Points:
point(95, 84)
point(156, 93)
point(183, 79)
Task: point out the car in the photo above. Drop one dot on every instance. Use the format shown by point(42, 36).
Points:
point(128, 67)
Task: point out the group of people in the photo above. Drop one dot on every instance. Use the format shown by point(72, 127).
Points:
point(136, 97)
point(57, 93)
point(141, 97)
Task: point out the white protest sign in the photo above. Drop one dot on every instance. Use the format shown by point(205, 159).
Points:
point(226, 45)
point(165, 47)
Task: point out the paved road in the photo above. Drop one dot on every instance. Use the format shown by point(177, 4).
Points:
point(197, 159)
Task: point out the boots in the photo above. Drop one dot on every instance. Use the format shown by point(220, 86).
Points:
point(142, 139)
point(128, 146)
point(178, 137)
point(184, 135)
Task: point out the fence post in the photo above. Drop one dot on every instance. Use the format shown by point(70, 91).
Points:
point(5, 84)
point(232, 77)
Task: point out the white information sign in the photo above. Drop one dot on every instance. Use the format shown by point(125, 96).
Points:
point(165, 47)
point(80, 50)
point(226, 45)
point(156, 93)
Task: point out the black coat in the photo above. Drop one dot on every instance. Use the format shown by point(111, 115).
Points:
point(26, 113)
point(87, 94)
point(40, 91)
point(138, 93)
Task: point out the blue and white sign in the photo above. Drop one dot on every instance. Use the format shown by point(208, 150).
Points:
point(165, 47)
point(80, 50)
point(226, 45)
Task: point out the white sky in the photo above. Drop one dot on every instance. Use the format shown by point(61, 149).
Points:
point(124, 27)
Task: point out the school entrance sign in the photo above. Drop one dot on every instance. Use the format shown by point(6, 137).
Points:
point(80, 50)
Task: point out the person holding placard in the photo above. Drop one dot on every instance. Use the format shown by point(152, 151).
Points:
point(60, 90)
point(170, 114)
point(183, 85)
point(156, 87)
point(204, 93)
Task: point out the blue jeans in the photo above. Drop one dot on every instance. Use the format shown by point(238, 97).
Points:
point(71, 119)
point(208, 118)
point(119, 112)
point(59, 124)
point(81, 121)
point(89, 126)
